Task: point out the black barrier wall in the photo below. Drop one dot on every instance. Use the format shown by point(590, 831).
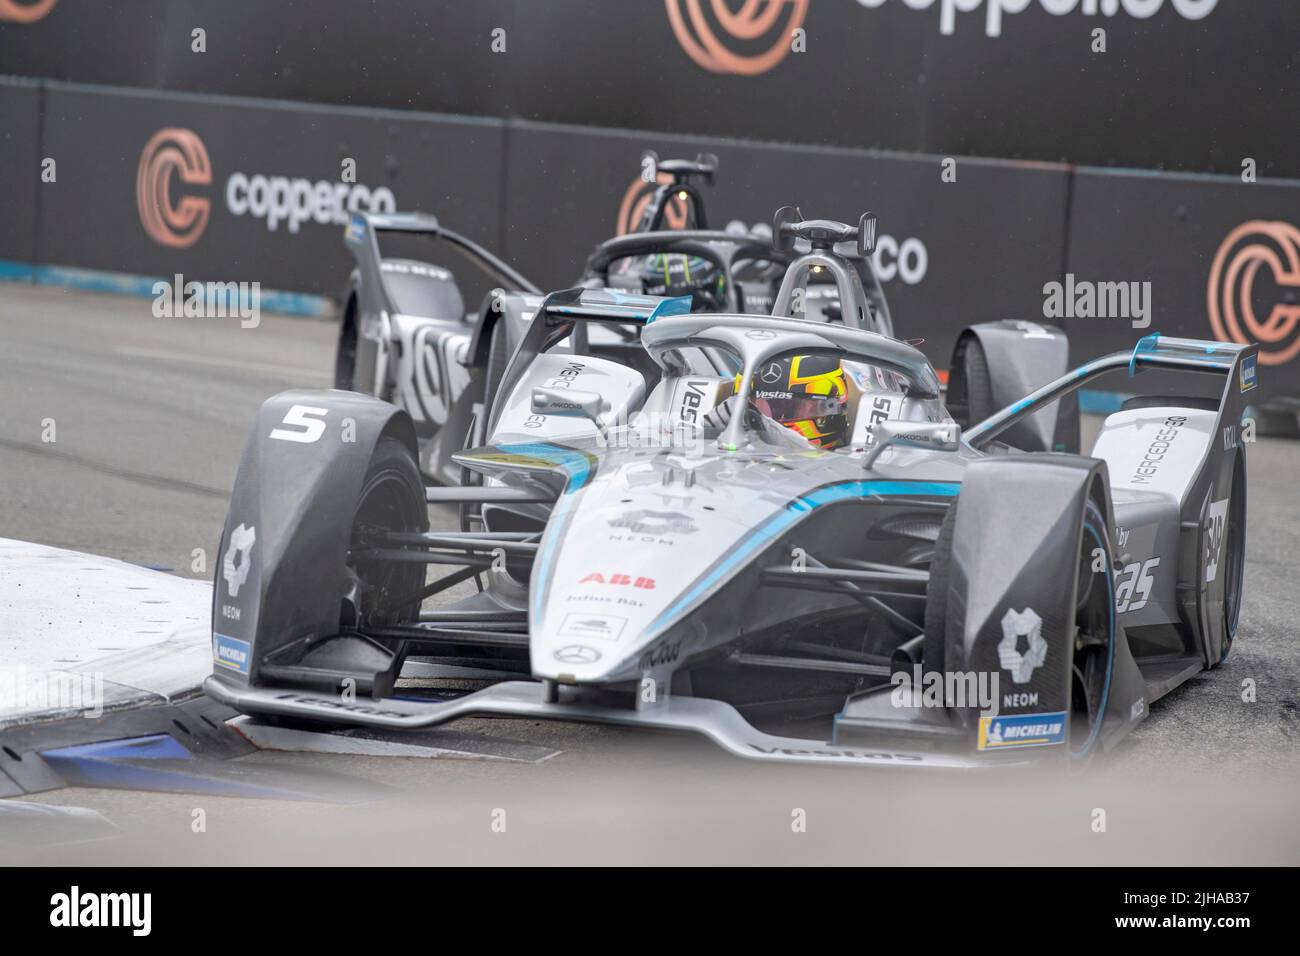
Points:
point(227, 189)
point(1010, 78)
point(257, 190)
point(20, 170)
point(948, 253)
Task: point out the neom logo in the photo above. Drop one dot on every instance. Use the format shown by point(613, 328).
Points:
point(1231, 293)
point(638, 196)
point(20, 12)
point(746, 42)
point(177, 225)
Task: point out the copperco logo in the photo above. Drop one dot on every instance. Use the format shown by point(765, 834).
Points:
point(20, 12)
point(757, 36)
point(637, 198)
point(179, 224)
point(1233, 293)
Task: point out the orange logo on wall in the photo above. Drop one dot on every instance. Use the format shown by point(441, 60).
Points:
point(757, 22)
point(1233, 292)
point(638, 196)
point(20, 12)
point(179, 224)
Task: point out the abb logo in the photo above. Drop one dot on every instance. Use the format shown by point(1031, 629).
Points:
point(626, 580)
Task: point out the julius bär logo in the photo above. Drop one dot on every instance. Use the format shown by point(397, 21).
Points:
point(168, 221)
point(25, 11)
point(748, 41)
point(637, 198)
point(1258, 266)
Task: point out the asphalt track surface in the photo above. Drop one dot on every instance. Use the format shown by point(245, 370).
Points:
point(150, 417)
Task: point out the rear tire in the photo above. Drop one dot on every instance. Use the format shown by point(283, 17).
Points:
point(970, 397)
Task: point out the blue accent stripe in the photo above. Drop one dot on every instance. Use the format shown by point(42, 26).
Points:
point(1148, 343)
point(126, 283)
point(676, 305)
point(791, 514)
point(578, 466)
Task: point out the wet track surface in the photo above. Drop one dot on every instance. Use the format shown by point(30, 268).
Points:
point(150, 417)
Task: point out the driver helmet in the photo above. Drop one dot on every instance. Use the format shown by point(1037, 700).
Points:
point(676, 273)
point(807, 394)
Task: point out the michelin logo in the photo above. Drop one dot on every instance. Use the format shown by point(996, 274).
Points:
point(230, 653)
point(1021, 730)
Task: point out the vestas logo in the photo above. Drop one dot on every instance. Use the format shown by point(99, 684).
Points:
point(169, 223)
point(20, 12)
point(746, 42)
point(1232, 294)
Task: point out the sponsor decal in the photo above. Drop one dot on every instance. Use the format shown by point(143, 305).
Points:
point(1016, 625)
point(833, 752)
point(1232, 294)
point(577, 654)
point(692, 400)
point(330, 703)
point(1156, 451)
point(25, 11)
point(745, 42)
point(236, 562)
point(623, 580)
point(175, 223)
point(231, 653)
point(666, 652)
point(650, 522)
point(1215, 519)
point(356, 231)
point(1021, 730)
point(1133, 585)
point(179, 222)
point(1249, 376)
point(1138, 709)
point(604, 626)
point(994, 10)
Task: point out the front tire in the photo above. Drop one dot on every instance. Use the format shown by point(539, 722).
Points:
point(392, 500)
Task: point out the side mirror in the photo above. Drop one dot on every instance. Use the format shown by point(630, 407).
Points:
point(568, 401)
point(936, 436)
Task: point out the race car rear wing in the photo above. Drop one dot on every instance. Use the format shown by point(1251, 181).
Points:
point(361, 236)
point(1237, 363)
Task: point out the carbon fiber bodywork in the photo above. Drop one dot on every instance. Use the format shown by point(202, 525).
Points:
point(735, 583)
